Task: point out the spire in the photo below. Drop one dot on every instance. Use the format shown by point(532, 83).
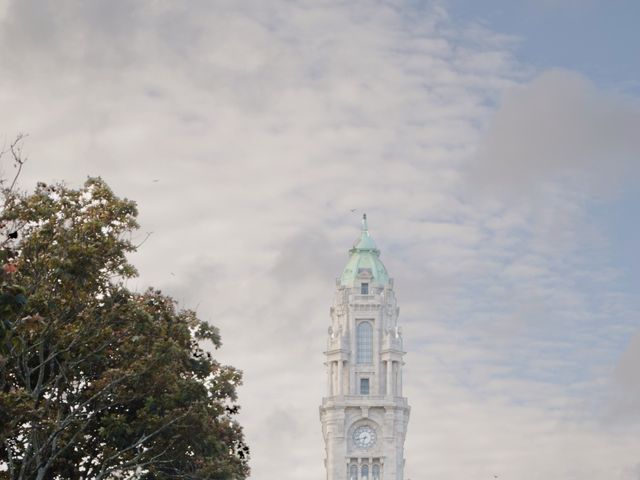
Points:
point(365, 242)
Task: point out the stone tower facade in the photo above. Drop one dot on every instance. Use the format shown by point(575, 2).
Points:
point(364, 415)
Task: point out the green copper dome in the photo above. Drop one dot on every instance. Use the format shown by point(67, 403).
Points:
point(364, 258)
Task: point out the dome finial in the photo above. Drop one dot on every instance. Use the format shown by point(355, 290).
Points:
point(364, 257)
point(365, 242)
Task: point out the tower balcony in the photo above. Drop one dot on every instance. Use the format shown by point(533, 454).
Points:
point(371, 299)
point(364, 401)
point(340, 342)
point(392, 343)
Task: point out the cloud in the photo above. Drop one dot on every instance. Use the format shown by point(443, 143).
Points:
point(625, 401)
point(559, 127)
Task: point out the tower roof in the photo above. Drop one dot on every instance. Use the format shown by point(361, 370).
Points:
point(364, 259)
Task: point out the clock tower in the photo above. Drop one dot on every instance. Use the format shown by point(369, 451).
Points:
point(364, 415)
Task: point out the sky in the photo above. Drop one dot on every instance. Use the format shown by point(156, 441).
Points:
point(494, 146)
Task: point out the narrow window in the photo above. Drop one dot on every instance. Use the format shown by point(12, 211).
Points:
point(364, 341)
point(365, 472)
point(353, 472)
point(364, 288)
point(375, 472)
point(364, 386)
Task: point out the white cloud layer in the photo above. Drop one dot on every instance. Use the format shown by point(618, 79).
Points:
point(265, 123)
point(560, 125)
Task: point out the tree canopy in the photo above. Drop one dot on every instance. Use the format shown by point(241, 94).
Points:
point(97, 381)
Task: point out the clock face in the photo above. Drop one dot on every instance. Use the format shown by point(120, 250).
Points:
point(364, 437)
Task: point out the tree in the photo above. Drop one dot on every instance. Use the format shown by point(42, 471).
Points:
point(97, 381)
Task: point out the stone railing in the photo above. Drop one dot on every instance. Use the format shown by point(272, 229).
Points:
point(359, 298)
point(339, 342)
point(368, 399)
point(390, 341)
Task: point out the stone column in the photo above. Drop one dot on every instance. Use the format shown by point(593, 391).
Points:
point(340, 366)
point(395, 378)
point(389, 378)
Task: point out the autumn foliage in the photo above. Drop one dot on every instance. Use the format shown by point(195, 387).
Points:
point(97, 381)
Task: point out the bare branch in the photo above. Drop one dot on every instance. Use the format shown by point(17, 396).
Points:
point(16, 152)
point(139, 443)
point(144, 239)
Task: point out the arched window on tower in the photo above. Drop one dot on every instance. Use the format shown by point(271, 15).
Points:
point(375, 471)
point(353, 472)
point(364, 341)
point(364, 473)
